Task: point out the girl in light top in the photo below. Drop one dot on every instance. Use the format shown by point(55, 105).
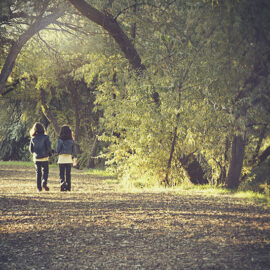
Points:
point(40, 147)
point(66, 150)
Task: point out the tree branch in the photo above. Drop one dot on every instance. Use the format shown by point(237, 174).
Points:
point(132, 7)
point(107, 22)
point(38, 25)
point(140, 4)
point(47, 45)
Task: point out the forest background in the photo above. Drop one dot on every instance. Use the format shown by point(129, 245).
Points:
point(161, 91)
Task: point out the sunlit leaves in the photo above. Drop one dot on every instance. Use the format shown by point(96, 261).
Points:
point(205, 60)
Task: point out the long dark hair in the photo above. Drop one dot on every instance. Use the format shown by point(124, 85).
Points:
point(37, 128)
point(65, 133)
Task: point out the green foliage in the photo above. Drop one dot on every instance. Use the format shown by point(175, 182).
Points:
point(258, 180)
point(197, 68)
point(14, 139)
point(17, 163)
point(145, 131)
point(206, 61)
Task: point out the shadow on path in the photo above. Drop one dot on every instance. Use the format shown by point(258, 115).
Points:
point(101, 228)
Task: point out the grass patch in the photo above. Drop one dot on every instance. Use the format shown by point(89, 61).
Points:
point(249, 196)
point(22, 163)
point(209, 190)
point(100, 172)
point(205, 190)
point(253, 196)
point(17, 163)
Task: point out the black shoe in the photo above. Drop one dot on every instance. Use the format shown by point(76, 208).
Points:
point(63, 187)
point(39, 190)
point(46, 187)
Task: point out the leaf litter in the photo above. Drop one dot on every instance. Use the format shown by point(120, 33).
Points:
point(99, 226)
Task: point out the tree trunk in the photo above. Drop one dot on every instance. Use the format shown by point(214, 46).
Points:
point(222, 176)
point(193, 169)
point(265, 154)
point(236, 164)
point(259, 144)
point(94, 149)
point(38, 25)
point(166, 180)
point(47, 113)
point(107, 22)
point(223, 167)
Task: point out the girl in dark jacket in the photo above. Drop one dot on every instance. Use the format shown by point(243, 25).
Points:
point(66, 150)
point(40, 147)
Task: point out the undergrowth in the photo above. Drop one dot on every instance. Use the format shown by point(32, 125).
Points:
point(185, 188)
point(206, 190)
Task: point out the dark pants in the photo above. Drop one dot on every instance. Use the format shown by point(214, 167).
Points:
point(65, 175)
point(42, 172)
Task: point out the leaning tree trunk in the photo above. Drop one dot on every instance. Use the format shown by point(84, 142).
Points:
point(259, 144)
point(193, 169)
point(236, 164)
point(190, 164)
point(166, 180)
point(16, 48)
point(265, 154)
point(107, 22)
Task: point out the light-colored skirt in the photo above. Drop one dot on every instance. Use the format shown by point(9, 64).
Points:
point(65, 159)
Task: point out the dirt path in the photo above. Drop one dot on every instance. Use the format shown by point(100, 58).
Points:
point(97, 227)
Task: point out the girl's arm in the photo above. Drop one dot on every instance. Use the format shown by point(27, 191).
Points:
point(48, 145)
point(59, 146)
point(74, 154)
point(31, 147)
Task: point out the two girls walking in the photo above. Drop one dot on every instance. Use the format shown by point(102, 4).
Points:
point(40, 147)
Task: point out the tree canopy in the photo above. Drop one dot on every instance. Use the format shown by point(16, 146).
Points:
point(163, 91)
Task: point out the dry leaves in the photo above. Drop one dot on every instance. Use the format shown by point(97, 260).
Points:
point(97, 227)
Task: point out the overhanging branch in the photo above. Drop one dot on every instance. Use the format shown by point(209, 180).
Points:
point(38, 25)
point(108, 23)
